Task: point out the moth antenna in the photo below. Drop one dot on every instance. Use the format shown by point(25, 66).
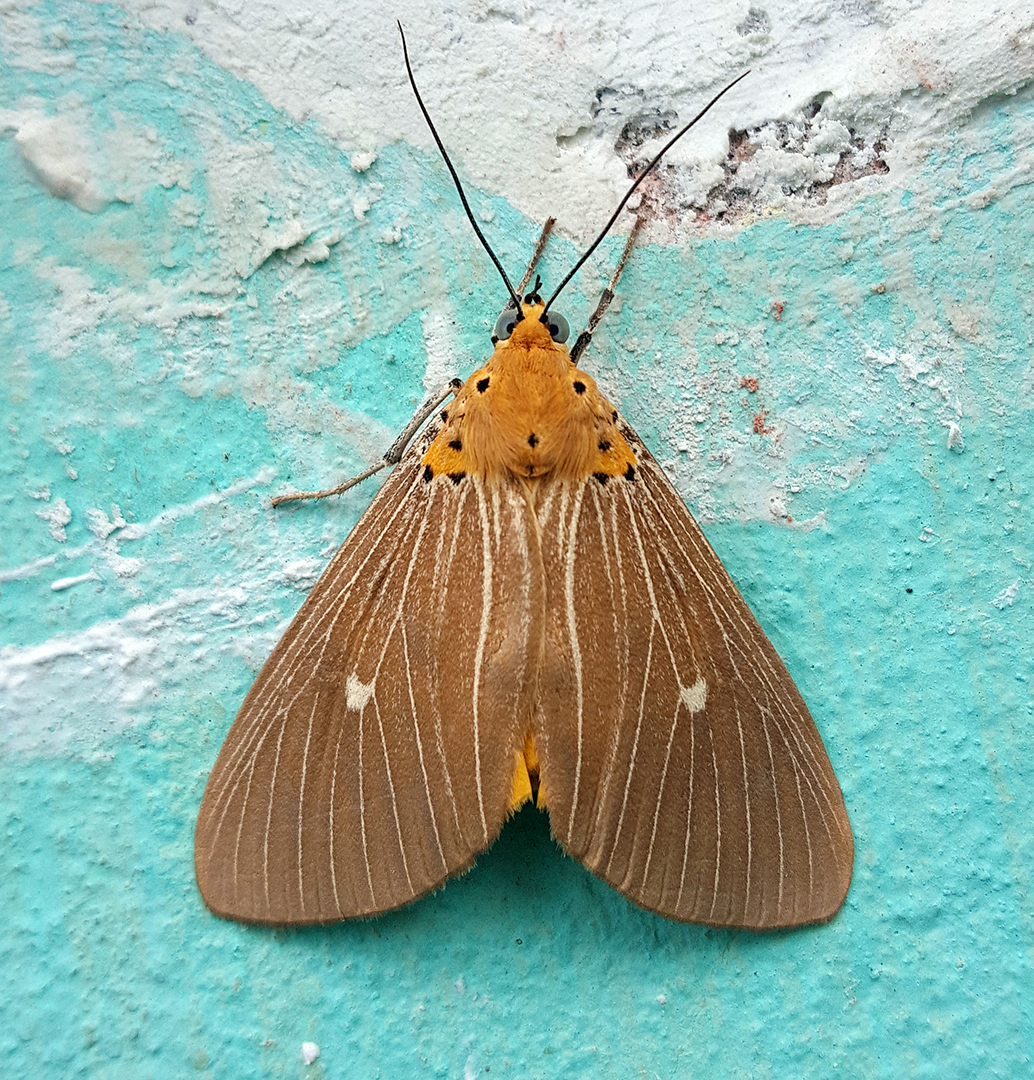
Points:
point(456, 179)
point(638, 180)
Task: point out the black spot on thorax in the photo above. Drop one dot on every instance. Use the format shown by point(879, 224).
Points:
point(482, 385)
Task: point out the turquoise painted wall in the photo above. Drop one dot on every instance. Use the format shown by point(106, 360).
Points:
point(221, 324)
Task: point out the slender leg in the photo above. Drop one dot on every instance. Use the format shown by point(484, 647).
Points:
point(392, 457)
point(398, 447)
point(608, 294)
point(536, 255)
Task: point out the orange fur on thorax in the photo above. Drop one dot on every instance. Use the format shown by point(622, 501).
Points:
point(531, 413)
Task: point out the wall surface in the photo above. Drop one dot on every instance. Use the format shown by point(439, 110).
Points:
point(230, 263)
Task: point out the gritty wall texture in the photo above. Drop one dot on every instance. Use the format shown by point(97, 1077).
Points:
point(207, 298)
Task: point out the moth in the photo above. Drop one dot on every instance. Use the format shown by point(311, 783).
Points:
point(526, 612)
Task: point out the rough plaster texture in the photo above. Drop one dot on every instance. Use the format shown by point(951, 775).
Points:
point(228, 264)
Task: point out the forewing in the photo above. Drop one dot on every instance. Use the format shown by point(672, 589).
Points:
point(678, 759)
point(373, 757)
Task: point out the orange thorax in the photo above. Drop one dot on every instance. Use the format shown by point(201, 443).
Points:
point(531, 413)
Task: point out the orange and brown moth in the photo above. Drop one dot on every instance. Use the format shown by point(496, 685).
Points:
point(526, 611)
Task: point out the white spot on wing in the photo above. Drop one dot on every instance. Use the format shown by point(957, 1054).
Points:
point(358, 693)
point(694, 697)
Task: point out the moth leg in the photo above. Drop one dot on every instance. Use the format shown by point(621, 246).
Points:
point(536, 255)
point(392, 457)
point(398, 447)
point(608, 294)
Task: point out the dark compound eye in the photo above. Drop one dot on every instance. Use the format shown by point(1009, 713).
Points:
point(505, 323)
point(559, 331)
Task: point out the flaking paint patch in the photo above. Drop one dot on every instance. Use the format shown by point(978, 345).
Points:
point(861, 73)
point(75, 692)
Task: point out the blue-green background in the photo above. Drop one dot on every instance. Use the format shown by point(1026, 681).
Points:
point(162, 353)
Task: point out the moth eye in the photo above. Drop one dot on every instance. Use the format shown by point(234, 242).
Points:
point(505, 323)
point(559, 331)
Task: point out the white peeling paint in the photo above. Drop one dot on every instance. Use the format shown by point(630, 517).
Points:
point(74, 690)
point(57, 516)
point(1007, 597)
point(110, 534)
point(67, 582)
point(587, 70)
point(310, 1052)
point(446, 359)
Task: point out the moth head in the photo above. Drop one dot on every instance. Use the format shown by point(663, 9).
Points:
point(533, 328)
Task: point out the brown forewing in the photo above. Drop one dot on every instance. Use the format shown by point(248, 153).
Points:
point(678, 759)
point(373, 757)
